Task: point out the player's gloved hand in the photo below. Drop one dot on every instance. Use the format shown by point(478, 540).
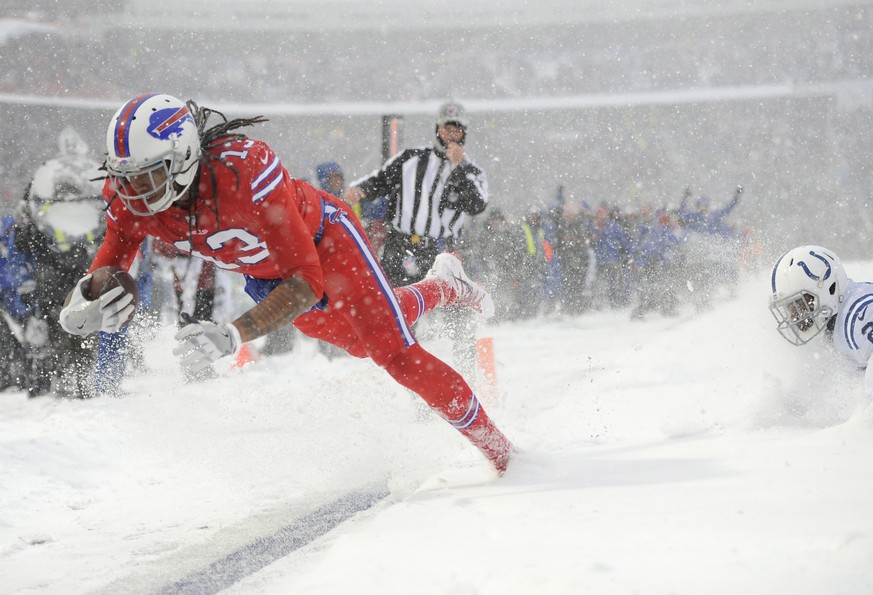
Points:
point(201, 343)
point(83, 316)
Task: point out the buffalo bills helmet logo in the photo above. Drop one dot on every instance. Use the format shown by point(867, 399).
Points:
point(167, 123)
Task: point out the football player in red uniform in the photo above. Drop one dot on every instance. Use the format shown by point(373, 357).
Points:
point(221, 196)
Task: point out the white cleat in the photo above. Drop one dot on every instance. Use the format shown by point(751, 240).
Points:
point(448, 268)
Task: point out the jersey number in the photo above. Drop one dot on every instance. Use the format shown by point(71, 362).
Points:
point(867, 330)
point(241, 154)
point(217, 242)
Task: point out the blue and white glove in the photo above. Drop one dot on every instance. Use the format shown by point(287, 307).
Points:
point(202, 343)
point(83, 316)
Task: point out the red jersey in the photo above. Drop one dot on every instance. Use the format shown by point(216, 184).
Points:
point(260, 222)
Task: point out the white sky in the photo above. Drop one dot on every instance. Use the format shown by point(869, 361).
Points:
point(702, 454)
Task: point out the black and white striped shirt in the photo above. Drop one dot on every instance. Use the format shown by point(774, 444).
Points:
point(426, 195)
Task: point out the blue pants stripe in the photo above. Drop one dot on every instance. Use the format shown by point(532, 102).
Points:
point(385, 286)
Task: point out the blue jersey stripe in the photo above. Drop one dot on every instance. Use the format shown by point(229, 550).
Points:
point(852, 318)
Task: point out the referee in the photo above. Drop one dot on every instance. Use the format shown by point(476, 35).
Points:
point(431, 192)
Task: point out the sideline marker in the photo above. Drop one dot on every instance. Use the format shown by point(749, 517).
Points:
point(244, 357)
point(485, 362)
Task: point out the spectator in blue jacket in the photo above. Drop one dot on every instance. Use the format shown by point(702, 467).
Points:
point(23, 330)
point(708, 238)
point(703, 219)
point(330, 177)
point(614, 251)
point(656, 252)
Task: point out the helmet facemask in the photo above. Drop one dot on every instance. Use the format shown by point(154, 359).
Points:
point(799, 317)
point(161, 184)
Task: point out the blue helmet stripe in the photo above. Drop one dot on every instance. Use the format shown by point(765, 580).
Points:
point(773, 277)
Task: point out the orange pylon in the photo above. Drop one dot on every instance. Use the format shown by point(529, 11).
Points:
point(244, 357)
point(485, 361)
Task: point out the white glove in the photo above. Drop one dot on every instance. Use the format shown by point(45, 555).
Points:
point(83, 316)
point(202, 343)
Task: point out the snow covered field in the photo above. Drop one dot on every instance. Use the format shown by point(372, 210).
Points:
point(702, 454)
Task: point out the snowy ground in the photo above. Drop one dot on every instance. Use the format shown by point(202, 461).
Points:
point(702, 454)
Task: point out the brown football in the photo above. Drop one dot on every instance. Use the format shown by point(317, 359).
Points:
point(106, 278)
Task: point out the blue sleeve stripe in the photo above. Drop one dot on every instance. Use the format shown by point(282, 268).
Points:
point(265, 174)
point(267, 181)
point(259, 196)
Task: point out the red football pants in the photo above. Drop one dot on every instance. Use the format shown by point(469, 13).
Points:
point(368, 318)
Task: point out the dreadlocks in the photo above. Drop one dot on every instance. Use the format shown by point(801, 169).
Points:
point(216, 135)
point(221, 131)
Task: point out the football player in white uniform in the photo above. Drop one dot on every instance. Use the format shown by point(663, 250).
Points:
point(811, 293)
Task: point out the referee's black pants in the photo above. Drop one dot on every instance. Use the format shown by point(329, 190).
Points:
point(407, 258)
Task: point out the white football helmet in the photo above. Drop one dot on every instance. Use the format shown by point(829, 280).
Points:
point(153, 150)
point(64, 198)
point(807, 285)
point(64, 202)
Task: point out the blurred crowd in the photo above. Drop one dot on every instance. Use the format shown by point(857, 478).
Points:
point(572, 257)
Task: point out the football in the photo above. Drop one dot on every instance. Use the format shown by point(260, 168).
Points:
point(106, 278)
